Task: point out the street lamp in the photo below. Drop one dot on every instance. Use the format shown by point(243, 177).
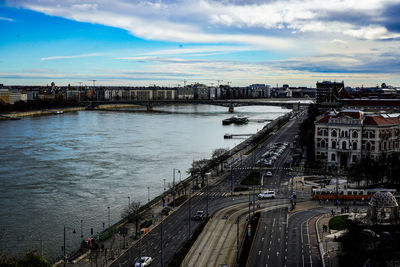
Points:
point(108, 216)
point(129, 205)
point(148, 193)
point(173, 185)
point(81, 229)
point(164, 185)
point(64, 249)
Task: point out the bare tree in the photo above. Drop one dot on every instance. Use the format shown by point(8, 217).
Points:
point(218, 153)
point(133, 214)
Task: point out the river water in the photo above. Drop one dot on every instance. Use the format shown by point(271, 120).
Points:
point(59, 170)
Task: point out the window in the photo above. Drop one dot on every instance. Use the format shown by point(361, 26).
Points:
point(333, 144)
point(355, 134)
point(334, 133)
point(368, 146)
point(333, 157)
point(370, 134)
point(344, 146)
point(384, 145)
point(323, 143)
point(354, 145)
point(354, 158)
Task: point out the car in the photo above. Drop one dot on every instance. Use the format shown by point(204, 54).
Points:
point(268, 173)
point(165, 211)
point(267, 194)
point(143, 262)
point(199, 215)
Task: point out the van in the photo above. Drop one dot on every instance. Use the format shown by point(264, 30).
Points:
point(267, 194)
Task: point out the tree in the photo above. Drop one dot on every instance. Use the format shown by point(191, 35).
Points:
point(217, 153)
point(134, 214)
point(306, 133)
point(31, 259)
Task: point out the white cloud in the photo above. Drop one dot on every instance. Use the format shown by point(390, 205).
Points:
point(6, 19)
point(72, 56)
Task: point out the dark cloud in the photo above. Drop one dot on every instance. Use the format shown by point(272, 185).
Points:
point(358, 18)
point(391, 17)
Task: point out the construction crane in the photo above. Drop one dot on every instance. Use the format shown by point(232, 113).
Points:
point(94, 82)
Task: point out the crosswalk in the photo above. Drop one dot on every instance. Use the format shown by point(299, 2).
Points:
point(215, 194)
point(263, 168)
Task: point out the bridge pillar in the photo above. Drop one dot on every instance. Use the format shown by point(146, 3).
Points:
point(231, 109)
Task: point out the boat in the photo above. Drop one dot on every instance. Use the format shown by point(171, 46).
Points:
point(236, 120)
point(58, 112)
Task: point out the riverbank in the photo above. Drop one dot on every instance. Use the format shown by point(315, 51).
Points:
point(19, 115)
point(34, 113)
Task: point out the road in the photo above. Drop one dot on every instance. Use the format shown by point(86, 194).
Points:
point(176, 226)
point(283, 240)
point(217, 243)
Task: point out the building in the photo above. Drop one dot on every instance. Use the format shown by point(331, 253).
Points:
point(343, 138)
point(325, 88)
point(259, 91)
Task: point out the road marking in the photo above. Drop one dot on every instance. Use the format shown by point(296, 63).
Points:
point(277, 253)
point(259, 252)
point(262, 239)
point(279, 240)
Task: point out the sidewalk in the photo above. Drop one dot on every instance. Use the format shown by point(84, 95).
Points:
point(117, 245)
point(329, 248)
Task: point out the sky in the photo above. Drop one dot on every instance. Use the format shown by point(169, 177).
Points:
point(172, 42)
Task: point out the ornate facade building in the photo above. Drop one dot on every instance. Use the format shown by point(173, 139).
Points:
point(343, 138)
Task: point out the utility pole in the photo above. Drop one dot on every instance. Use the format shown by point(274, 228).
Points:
point(253, 197)
point(162, 251)
point(249, 206)
point(190, 212)
point(207, 194)
point(237, 240)
point(173, 187)
point(231, 182)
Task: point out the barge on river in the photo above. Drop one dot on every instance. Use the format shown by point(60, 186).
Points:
point(236, 120)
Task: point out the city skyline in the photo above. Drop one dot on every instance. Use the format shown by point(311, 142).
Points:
point(167, 42)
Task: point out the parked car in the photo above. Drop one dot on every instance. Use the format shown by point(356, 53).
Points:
point(199, 215)
point(165, 211)
point(267, 194)
point(143, 262)
point(268, 174)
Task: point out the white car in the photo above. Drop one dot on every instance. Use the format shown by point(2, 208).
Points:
point(267, 194)
point(143, 262)
point(268, 173)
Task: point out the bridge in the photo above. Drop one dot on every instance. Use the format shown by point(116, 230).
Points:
point(291, 103)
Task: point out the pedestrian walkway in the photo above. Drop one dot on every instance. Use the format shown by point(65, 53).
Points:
point(329, 247)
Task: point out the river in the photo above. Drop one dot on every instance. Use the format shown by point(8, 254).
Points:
point(58, 170)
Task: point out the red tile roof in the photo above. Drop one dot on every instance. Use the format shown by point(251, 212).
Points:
point(368, 119)
point(379, 120)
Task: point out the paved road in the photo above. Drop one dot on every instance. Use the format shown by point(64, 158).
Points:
point(217, 243)
point(283, 240)
point(176, 226)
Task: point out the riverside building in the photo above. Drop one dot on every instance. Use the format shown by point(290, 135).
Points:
point(343, 138)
